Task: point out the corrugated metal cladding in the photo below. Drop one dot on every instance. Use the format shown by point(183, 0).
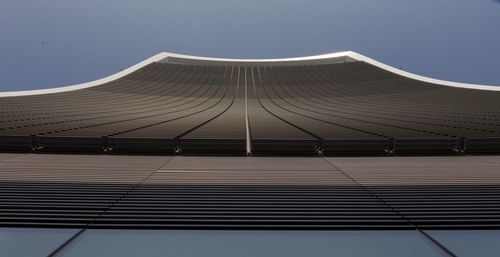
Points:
point(106, 191)
point(322, 109)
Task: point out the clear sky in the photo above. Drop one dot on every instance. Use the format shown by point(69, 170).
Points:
point(53, 43)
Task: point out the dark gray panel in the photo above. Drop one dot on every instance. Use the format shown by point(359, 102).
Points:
point(469, 243)
point(250, 243)
point(32, 242)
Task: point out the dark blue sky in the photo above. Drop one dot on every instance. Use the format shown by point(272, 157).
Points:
point(59, 42)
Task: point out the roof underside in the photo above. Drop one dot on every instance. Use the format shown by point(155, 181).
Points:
point(315, 109)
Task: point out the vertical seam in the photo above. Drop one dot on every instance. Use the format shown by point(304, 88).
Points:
point(86, 226)
point(417, 228)
point(247, 125)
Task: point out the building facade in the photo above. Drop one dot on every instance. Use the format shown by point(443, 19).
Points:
point(318, 153)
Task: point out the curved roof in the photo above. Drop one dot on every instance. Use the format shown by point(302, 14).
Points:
point(316, 59)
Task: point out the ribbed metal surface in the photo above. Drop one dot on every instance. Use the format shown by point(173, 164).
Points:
point(249, 192)
point(350, 108)
point(67, 190)
point(433, 191)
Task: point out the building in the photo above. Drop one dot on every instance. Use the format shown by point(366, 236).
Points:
point(319, 153)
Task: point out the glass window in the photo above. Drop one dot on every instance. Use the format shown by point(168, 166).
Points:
point(472, 243)
point(27, 242)
point(197, 243)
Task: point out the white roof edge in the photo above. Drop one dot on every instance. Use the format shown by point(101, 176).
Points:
point(363, 58)
point(94, 83)
point(304, 60)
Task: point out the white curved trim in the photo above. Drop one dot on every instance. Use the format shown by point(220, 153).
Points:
point(363, 58)
point(324, 58)
point(331, 57)
point(94, 83)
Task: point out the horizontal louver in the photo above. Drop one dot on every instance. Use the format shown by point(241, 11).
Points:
point(249, 192)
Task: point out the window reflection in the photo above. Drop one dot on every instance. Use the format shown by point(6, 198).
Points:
point(194, 243)
point(471, 243)
point(36, 242)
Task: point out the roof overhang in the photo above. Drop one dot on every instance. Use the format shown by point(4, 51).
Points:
point(166, 57)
